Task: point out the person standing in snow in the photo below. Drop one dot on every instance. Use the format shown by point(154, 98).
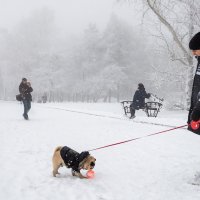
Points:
point(138, 100)
point(25, 90)
point(194, 111)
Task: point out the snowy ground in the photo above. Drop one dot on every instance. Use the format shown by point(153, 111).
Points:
point(161, 167)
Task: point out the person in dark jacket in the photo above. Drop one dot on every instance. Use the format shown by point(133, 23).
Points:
point(194, 111)
point(25, 90)
point(138, 99)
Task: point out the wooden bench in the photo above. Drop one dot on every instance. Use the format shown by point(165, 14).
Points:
point(151, 108)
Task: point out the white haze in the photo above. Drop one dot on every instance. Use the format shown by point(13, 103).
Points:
point(84, 50)
point(71, 15)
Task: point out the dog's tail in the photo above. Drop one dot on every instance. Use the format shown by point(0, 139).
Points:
point(58, 149)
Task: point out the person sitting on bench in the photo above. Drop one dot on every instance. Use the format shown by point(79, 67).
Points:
point(138, 100)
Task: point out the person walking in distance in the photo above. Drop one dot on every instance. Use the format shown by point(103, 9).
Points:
point(25, 90)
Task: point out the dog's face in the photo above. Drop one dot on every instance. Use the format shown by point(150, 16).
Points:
point(88, 163)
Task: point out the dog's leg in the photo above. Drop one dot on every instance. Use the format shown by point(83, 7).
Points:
point(55, 170)
point(56, 161)
point(75, 173)
point(80, 175)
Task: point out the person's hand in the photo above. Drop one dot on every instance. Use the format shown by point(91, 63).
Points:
point(29, 84)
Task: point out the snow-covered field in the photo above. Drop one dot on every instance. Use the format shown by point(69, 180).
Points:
point(160, 167)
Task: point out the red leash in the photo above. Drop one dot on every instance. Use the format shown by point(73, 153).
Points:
point(125, 141)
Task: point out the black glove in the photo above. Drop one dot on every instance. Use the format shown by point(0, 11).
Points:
point(148, 95)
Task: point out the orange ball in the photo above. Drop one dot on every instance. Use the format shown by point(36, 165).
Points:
point(90, 174)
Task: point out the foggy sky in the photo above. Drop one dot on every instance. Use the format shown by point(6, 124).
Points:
point(73, 14)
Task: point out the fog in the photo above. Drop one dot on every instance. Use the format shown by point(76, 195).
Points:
point(70, 15)
point(90, 51)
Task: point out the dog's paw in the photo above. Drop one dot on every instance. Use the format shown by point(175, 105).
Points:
point(55, 173)
point(75, 173)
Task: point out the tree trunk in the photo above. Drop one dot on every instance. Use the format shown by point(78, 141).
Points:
point(109, 96)
point(118, 92)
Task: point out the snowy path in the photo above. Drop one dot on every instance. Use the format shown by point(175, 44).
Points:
point(154, 168)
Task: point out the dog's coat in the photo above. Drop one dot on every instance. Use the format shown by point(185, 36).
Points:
point(72, 158)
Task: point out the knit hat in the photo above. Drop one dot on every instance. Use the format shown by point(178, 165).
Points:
point(195, 42)
point(24, 79)
point(140, 86)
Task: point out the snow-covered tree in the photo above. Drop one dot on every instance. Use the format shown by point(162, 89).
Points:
point(126, 49)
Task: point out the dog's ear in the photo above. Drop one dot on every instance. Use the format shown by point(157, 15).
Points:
point(94, 158)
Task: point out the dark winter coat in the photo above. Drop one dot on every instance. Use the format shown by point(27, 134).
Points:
point(194, 108)
point(139, 98)
point(25, 91)
point(72, 158)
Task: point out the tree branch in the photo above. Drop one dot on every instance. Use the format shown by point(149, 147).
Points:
point(168, 25)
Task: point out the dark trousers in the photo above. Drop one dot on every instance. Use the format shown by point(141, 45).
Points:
point(132, 110)
point(27, 106)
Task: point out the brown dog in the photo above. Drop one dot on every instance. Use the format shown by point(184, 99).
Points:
point(65, 156)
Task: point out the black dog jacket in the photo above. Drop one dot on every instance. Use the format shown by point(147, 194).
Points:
point(72, 158)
